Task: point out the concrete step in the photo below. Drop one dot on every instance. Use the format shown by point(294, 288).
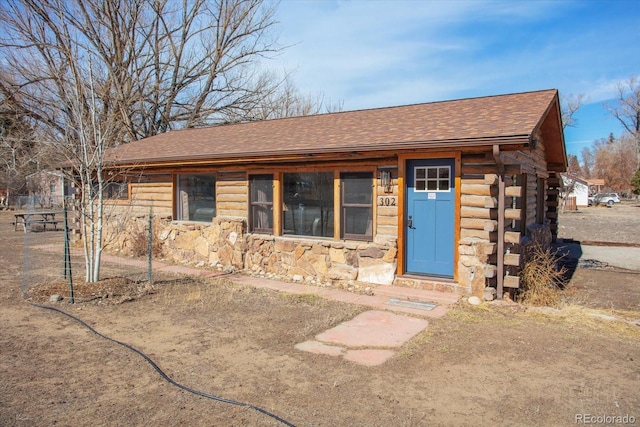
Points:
point(413, 294)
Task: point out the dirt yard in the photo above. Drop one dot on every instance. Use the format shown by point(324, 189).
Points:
point(618, 224)
point(486, 365)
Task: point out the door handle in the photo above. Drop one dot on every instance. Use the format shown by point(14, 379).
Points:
point(410, 222)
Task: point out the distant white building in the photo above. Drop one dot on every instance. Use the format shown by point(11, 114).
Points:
point(48, 188)
point(578, 188)
point(596, 185)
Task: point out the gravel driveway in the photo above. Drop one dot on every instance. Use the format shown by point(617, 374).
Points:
point(601, 237)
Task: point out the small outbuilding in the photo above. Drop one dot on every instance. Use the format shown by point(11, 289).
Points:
point(596, 185)
point(577, 191)
point(441, 195)
point(47, 188)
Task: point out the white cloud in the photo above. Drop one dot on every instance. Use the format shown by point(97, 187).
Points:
point(361, 52)
point(603, 90)
point(380, 53)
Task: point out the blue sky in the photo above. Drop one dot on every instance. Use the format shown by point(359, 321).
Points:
point(368, 54)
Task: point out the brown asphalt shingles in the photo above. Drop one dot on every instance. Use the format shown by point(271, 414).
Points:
point(473, 120)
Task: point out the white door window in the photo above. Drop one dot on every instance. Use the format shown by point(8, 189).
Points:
point(432, 178)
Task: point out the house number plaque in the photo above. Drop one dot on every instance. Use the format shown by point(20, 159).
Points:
point(387, 201)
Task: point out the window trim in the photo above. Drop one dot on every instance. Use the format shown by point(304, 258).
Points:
point(332, 211)
point(344, 206)
point(427, 179)
point(252, 203)
point(336, 170)
point(125, 192)
point(177, 204)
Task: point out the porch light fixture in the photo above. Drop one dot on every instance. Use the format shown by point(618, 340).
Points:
point(385, 181)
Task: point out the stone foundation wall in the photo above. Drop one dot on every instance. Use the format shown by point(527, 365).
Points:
point(321, 261)
point(476, 264)
point(220, 244)
point(224, 244)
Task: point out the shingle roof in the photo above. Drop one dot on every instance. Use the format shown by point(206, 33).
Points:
point(493, 119)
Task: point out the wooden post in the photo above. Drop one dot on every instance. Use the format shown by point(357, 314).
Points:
point(501, 208)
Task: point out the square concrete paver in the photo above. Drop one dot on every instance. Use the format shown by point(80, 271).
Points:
point(369, 357)
point(320, 348)
point(374, 329)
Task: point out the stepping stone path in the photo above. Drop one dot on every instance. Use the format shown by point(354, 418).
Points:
point(367, 339)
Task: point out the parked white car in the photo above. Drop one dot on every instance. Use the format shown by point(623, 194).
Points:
point(608, 199)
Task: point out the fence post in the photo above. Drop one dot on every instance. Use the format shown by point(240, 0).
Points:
point(150, 247)
point(67, 253)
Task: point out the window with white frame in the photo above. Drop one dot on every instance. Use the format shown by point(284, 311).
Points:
point(432, 178)
point(196, 197)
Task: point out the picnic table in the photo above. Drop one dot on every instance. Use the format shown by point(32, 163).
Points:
point(44, 218)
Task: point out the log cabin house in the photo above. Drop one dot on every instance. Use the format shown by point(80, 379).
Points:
point(442, 195)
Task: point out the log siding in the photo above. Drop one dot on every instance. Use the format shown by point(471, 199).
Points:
point(478, 263)
point(506, 183)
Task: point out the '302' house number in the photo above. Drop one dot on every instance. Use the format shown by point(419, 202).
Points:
point(387, 201)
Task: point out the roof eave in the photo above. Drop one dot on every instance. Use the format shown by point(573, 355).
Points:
point(389, 146)
point(550, 123)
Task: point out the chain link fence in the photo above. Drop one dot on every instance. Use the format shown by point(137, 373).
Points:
point(54, 258)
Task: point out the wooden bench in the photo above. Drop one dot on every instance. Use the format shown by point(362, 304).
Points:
point(18, 223)
point(28, 219)
point(44, 223)
point(53, 222)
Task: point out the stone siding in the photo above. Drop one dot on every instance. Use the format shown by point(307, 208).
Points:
point(225, 245)
point(320, 261)
point(476, 263)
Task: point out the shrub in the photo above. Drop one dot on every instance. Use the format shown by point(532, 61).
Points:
point(635, 182)
point(139, 243)
point(541, 279)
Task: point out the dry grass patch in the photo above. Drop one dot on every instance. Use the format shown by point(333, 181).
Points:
point(623, 324)
point(494, 325)
point(198, 293)
point(304, 299)
point(541, 279)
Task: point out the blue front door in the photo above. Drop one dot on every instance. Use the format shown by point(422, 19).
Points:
point(430, 217)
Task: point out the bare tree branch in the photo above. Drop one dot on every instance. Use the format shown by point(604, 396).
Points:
point(92, 74)
point(159, 64)
point(627, 110)
point(569, 105)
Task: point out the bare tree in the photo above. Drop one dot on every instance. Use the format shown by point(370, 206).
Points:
point(162, 64)
point(284, 100)
point(569, 178)
point(627, 110)
point(91, 74)
point(587, 162)
point(569, 105)
point(18, 155)
point(614, 161)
